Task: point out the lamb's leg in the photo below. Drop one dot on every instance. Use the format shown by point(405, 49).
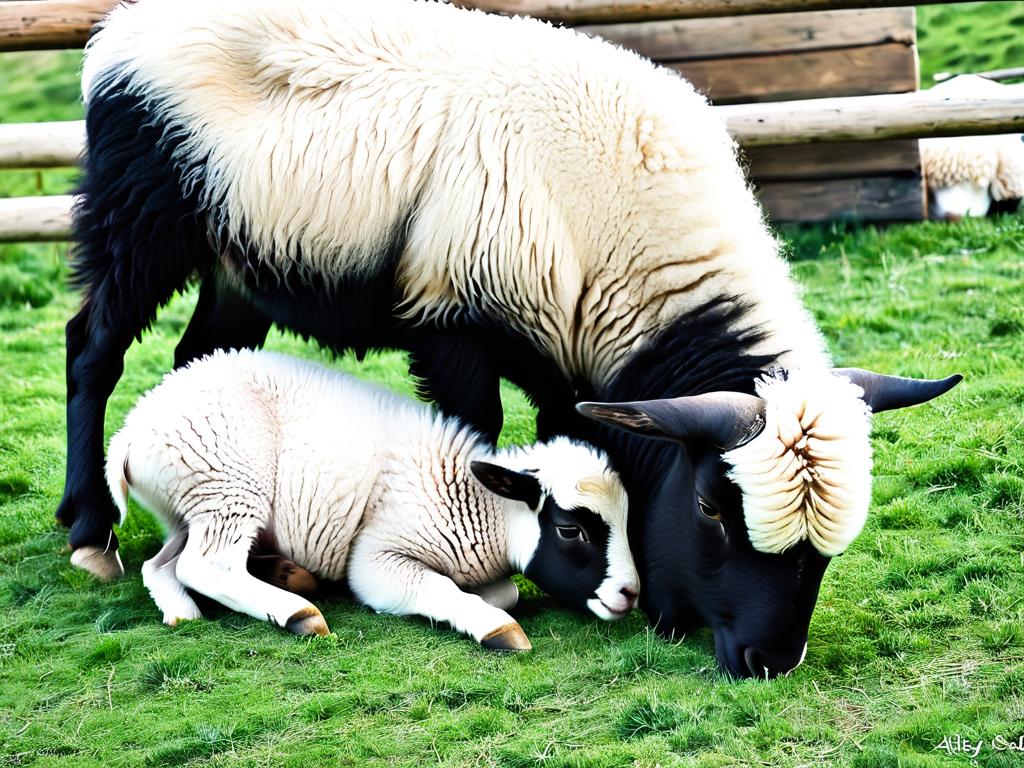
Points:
point(503, 594)
point(213, 564)
point(391, 583)
point(282, 572)
point(169, 594)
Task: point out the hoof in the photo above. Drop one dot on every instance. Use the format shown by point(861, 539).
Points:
point(105, 565)
point(283, 573)
point(308, 621)
point(507, 637)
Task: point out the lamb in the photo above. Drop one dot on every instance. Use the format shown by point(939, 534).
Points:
point(972, 175)
point(352, 481)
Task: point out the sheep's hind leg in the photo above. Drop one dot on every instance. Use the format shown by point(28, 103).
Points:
point(213, 563)
point(222, 319)
point(169, 594)
point(457, 371)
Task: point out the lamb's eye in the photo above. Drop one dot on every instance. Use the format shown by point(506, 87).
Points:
point(707, 511)
point(571, 532)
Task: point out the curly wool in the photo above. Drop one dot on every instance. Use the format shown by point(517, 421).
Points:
point(996, 162)
point(808, 474)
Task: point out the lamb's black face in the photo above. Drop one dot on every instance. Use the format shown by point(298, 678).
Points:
point(701, 569)
point(572, 551)
point(571, 560)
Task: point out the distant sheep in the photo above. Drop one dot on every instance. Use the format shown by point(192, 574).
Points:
point(348, 480)
point(966, 175)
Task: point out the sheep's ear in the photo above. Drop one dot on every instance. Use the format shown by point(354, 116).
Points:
point(518, 486)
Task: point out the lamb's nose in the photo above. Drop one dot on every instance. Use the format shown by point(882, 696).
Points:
point(629, 594)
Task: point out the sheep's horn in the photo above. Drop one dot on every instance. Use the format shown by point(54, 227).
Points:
point(724, 419)
point(884, 393)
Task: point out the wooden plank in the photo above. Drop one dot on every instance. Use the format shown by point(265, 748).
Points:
point(687, 39)
point(888, 68)
point(35, 219)
point(890, 116)
point(881, 198)
point(41, 24)
point(35, 24)
point(41, 145)
point(606, 11)
point(997, 75)
point(841, 159)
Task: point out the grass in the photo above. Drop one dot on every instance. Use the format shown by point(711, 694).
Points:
point(919, 632)
point(970, 37)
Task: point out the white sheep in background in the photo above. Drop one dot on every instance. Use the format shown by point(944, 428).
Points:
point(349, 480)
point(967, 174)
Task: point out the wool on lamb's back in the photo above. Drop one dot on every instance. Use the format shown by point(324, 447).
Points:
point(555, 182)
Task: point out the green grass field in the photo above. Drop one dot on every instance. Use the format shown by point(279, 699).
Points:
point(919, 632)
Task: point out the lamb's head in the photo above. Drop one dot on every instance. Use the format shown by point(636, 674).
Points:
point(567, 531)
point(740, 517)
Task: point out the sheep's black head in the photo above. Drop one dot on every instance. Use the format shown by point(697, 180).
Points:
point(738, 517)
point(569, 534)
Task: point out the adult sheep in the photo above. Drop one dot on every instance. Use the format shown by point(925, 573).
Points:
point(500, 198)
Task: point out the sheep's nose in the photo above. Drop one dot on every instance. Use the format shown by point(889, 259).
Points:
point(629, 593)
point(766, 666)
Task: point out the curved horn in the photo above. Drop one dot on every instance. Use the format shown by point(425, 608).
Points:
point(724, 419)
point(884, 393)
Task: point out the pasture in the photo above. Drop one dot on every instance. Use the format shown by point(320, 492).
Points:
point(918, 634)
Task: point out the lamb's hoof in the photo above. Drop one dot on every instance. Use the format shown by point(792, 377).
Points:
point(507, 637)
point(104, 564)
point(308, 621)
point(283, 573)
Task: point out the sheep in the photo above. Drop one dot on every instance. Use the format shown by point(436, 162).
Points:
point(351, 481)
point(499, 198)
point(971, 175)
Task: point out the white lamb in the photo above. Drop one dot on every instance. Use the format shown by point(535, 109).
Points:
point(349, 480)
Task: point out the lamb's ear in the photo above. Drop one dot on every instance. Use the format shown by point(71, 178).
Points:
point(518, 486)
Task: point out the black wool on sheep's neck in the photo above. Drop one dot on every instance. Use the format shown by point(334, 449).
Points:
point(705, 350)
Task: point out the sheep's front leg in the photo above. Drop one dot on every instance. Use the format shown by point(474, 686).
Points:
point(503, 594)
point(456, 369)
point(213, 564)
point(393, 583)
point(159, 576)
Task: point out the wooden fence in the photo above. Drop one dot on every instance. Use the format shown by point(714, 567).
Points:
point(855, 172)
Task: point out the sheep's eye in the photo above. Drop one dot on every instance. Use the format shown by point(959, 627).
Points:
point(707, 511)
point(571, 532)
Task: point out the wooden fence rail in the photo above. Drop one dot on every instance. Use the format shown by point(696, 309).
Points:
point(35, 219)
point(604, 11)
point(41, 145)
point(43, 24)
point(921, 114)
point(754, 125)
point(898, 115)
